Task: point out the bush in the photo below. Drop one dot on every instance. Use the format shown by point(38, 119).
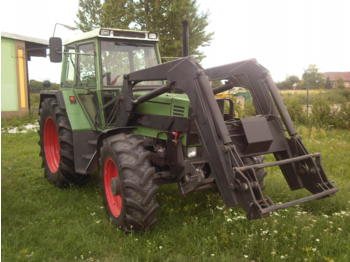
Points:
point(321, 113)
point(345, 93)
point(334, 96)
point(34, 101)
point(249, 109)
point(342, 119)
point(324, 112)
point(245, 110)
point(329, 108)
point(295, 109)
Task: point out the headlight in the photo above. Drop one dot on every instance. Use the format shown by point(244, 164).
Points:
point(152, 35)
point(105, 32)
point(191, 152)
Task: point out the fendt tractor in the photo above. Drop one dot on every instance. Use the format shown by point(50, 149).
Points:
point(142, 124)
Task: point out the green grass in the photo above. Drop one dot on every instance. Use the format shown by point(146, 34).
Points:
point(43, 223)
point(19, 121)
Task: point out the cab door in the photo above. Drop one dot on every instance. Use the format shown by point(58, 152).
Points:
point(87, 83)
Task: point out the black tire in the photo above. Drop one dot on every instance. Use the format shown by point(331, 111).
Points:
point(62, 173)
point(135, 186)
point(260, 172)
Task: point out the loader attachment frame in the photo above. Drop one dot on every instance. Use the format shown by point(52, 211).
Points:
point(237, 182)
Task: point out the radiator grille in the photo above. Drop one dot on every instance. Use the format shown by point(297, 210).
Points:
point(178, 111)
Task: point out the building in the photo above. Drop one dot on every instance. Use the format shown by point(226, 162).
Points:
point(334, 76)
point(16, 51)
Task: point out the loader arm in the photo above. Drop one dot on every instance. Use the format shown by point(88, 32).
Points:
point(237, 183)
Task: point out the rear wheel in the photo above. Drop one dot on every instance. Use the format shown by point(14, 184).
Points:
point(56, 143)
point(126, 179)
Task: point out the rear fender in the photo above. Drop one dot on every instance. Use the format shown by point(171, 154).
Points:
point(53, 94)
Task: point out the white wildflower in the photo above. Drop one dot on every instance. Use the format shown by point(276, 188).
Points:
point(265, 232)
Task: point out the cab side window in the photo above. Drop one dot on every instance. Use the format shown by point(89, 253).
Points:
point(86, 65)
point(69, 78)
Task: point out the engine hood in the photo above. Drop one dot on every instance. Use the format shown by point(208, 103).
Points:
point(167, 104)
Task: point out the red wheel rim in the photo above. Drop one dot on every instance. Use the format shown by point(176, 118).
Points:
point(51, 145)
point(110, 171)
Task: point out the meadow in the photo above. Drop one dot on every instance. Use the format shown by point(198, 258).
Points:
point(43, 223)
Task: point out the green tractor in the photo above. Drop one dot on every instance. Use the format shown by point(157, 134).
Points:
point(143, 124)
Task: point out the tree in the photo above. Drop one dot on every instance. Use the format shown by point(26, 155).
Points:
point(164, 17)
point(340, 83)
point(89, 15)
point(291, 82)
point(328, 84)
point(118, 14)
point(312, 79)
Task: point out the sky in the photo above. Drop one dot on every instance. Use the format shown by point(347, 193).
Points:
point(285, 36)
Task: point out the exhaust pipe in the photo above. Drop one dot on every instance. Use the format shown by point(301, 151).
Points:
point(185, 38)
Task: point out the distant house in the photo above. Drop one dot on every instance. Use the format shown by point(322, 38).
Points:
point(16, 51)
point(334, 76)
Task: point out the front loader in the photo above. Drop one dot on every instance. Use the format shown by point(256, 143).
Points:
point(143, 124)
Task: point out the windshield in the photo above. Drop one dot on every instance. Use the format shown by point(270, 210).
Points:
point(119, 58)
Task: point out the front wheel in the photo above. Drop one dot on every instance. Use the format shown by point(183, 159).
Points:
point(126, 179)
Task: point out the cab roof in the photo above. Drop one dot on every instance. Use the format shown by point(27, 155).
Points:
point(114, 33)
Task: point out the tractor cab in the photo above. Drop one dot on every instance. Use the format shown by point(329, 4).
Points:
point(95, 62)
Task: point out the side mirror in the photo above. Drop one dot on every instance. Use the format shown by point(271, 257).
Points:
point(46, 84)
point(55, 47)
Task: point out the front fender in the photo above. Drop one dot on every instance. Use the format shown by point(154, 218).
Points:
point(93, 162)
